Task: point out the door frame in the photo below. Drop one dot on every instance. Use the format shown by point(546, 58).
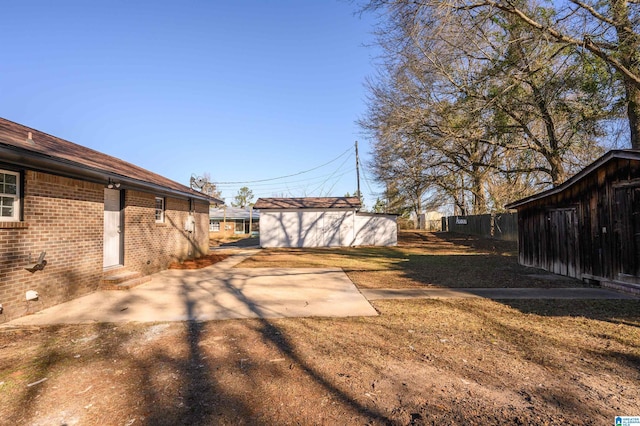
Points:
point(118, 227)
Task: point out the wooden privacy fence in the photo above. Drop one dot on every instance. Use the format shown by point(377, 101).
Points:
point(501, 226)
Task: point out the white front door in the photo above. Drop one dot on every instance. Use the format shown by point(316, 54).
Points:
point(112, 228)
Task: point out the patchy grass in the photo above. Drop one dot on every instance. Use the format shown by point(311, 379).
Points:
point(421, 362)
point(421, 260)
point(458, 361)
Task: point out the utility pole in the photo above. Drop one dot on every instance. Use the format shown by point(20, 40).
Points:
point(357, 171)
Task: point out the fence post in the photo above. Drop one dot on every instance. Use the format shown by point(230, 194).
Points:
point(493, 225)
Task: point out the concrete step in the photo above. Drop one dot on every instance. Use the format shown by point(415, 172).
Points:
point(122, 280)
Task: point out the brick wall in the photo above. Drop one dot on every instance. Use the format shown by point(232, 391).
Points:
point(227, 229)
point(149, 246)
point(63, 217)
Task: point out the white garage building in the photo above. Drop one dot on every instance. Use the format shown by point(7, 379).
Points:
point(322, 222)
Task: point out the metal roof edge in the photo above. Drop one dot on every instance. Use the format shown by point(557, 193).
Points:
point(265, 200)
point(628, 154)
point(376, 214)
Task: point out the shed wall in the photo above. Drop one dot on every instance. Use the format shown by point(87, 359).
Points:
point(325, 228)
point(590, 229)
point(306, 228)
point(376, 230)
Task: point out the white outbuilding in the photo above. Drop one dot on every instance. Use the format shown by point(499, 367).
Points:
point(322, 222)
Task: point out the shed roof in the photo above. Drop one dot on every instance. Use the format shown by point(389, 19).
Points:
point(232, 213)
point(628, 154)
point(308, 203)
point(50, 153)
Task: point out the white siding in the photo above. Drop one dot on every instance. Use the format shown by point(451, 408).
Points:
point(376, 230)
point(325, 228)
point(291, 228)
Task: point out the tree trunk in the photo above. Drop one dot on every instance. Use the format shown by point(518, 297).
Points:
point(629, 51)
point(633, 112)
point(556, 167)
point(479, 199)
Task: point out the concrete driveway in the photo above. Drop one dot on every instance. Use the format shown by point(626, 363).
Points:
point(214, 293)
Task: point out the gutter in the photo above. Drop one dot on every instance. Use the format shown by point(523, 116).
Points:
point(67, 168)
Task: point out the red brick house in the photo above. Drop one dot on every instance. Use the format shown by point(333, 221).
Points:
point(98, 218)
point(232, 221)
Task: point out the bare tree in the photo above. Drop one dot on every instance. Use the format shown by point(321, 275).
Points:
point(488, 100)
point(610, 30)
point(606, 29)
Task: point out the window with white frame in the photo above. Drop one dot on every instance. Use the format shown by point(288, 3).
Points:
point(159, 209)
point(214, 226)
point(9, 196)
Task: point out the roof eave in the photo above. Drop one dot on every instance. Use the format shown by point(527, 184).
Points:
point(622, 154)
point(357, 208)
point(45, 163)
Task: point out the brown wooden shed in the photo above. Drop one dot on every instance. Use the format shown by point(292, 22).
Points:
point(588, 227)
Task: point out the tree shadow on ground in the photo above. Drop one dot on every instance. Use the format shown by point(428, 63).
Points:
point(479, 271)
point(210, 390)
point(444, 259)
point(445, 241)
point(625, 312)
point(277, 337)
point(198, 398)
point(551, 351)
point(241, 243)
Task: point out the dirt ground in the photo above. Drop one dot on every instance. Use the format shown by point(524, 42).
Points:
point(232, 242)
point(420, 260)
point(471, 361)
point(200, 262)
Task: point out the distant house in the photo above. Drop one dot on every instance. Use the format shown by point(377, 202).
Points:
point(430, 221)
point(93, 218)
point(588, 227)
point(322, 222)
point(233, 221)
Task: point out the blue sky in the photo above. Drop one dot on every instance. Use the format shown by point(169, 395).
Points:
point(244, 90)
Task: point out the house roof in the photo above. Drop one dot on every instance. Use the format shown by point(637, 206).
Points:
point(49, 153)
point(232, 213)
point(308, 203)
point(627, 154)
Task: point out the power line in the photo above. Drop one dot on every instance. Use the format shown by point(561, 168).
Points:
point(283, 177)
point(296, 187)
point(364, 175)
point(326, 180)
point(310, 180)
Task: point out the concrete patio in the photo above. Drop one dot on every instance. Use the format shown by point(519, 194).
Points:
point(215, 293)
